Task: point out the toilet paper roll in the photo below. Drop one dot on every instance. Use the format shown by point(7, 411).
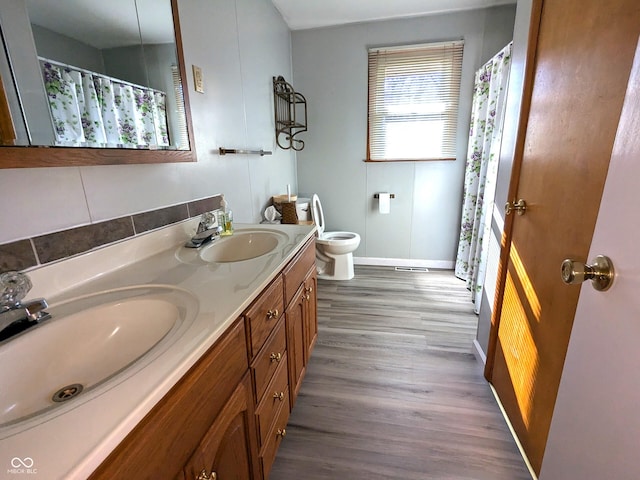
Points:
point(384, 203)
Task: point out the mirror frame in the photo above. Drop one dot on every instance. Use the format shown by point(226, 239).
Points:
point(45, 156)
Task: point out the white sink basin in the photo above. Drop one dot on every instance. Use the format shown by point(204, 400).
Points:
point(89, 344)
point(243, 245)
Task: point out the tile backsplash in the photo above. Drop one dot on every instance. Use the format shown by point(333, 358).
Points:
point(43, 249)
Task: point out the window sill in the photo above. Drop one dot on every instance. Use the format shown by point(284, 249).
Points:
point(389, 160)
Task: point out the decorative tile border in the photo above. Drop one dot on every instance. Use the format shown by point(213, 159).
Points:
point(17, 256)
point(48, 248)
point(144, 222)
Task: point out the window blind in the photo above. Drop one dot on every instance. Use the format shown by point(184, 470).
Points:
point(182, 135)
point(413, 101)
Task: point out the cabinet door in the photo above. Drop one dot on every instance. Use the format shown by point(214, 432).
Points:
point(296, 345)
point(229, 448)
point(311, 312)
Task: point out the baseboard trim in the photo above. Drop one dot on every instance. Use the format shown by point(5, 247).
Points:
point(513, 434)
point(404, 262)
point(477, 350)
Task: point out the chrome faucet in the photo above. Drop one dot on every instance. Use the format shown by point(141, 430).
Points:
point(15, 315)
point(208, 230)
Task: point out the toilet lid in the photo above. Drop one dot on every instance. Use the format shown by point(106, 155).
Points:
point(316, 214)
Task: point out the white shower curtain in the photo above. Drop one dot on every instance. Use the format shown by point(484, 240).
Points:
point(482, 170)
point(92, 110)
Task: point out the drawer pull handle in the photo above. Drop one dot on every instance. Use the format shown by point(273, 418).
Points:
point(279, 396)
point(308, 290)
point(272, 314)
point(275, 357)
point(204, 476)
point(281, 433)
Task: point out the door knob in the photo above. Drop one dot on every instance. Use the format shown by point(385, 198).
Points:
point(519, 207)
point(601, 273)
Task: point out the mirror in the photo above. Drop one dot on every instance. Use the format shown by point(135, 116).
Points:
point(93, 82)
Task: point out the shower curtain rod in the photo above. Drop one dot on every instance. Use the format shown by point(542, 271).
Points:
point(78, 69)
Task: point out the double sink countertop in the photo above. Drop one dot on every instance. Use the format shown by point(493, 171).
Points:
point(72, 440)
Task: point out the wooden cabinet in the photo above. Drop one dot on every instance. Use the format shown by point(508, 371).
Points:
point(296, 345)
point(226, 449)
point(274, 437)
point(164, 441)
point(229, 413)
point(270, 358)
point(311, 311)
point(301, 314)
point(263, 315)
point(269, 350)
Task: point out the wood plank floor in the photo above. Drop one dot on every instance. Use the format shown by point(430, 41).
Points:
point(393, 390)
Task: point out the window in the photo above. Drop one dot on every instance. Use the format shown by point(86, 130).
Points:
point(413, 102)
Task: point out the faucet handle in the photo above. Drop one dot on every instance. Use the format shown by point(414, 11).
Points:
point(206, 221)
point(35, 309)
point(14, 286)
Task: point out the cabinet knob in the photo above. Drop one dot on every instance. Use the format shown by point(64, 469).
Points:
point(272, 314)
point(275, 357)
point(309, 289)
point(279, 396)
point(281, 433)
point(205, 476)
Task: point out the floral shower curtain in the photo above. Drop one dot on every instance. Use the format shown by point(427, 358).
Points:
point(92, 110)
point(482, 170)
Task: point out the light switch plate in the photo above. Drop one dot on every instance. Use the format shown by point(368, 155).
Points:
point(198, 81)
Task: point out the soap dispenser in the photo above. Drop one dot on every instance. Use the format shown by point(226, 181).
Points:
point(227, 218)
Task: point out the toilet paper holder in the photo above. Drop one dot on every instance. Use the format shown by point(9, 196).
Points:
point(377, 195)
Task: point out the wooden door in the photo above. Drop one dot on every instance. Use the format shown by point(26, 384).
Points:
point(583, 58)
point(595, 430)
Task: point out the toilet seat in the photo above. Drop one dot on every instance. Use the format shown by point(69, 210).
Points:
point(330, 238)
point(317, 215)
point(338, 243)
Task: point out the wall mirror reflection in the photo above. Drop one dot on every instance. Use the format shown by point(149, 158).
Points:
point(89, 74)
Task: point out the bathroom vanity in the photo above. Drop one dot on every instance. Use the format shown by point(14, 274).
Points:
point(213, 401)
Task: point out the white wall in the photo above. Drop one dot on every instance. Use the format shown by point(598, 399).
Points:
point(330, 69)
point(240, 45)
point(65, 49)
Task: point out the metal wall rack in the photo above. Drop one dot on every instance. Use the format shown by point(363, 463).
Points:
point(290, 109)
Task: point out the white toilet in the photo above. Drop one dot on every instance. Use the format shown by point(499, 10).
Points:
point(334, 250)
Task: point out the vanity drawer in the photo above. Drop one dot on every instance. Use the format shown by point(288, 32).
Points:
point(273, 399)
point(270, 357)
point(296, 271)
point(263, 315)
point(274, 437)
